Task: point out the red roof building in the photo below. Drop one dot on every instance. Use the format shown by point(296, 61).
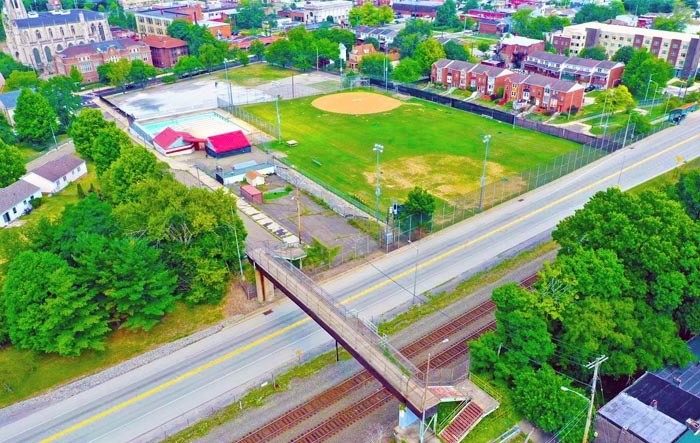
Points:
point(230, 143)
point(171, 142)
point(165, 51)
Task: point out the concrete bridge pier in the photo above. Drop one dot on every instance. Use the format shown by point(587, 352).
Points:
point(264, 287)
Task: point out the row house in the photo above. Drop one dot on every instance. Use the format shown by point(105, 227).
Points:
point(513, 50)
point(384, 36)
point(485, 79)
point(549, 94)
point(600, 74)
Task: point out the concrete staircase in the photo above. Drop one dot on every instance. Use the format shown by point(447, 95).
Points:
point(463, 422)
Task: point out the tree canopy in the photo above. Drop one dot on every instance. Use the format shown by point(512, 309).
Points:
point(11, 164)
point(594, 52)
point(84, 130)
point(446, 15)
point(374, 65)
point(644, 67)
point(35, 120)
point(535, 27)
point(623, 55)
point(590, 12)
point(370, 15)
point(428, 52)
point(60, 93)
point(407, 71)
point(688, 188)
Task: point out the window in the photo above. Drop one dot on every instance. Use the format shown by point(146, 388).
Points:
point(14, 210)
point(64, 179)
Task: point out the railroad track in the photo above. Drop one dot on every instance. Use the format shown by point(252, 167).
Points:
point(303, 412)
point(382, 396)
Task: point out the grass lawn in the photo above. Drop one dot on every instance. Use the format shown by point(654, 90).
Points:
point(25, 373)
point(425, 144)
point(667, 179)
point(29, 154)
point(257, 74)
point(502, 419)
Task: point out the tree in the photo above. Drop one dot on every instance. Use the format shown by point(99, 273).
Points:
point(370, 15)
point(107, 146)
point(134, 165)
point(594, 52)
point(616, 99)
point(75, 76)
point(8, 65)
point(21, 79)
point(210, 55)
point(7, 134)
point(643, 67)
point(413, 33)
point(407, 71)
point(243, 58)
point(251, 15)
point(640, 123)
point(60, 92)
point(470, 4)
point(374, 65)
point(84, 129)
point(446, 15)
point(281, 53)
point(187, 65)
point(420, 205)
point(677, 22)
point(11, 164)
point(34, 118)
point(115, 73)
point(688, 188)
point(140, 72)
point(456, 51)
point(427, 53)
point(591, 12)
point(623, 55)
point(44, 309)
point(257, 48)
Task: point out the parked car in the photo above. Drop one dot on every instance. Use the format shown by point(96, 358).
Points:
point(589, 88)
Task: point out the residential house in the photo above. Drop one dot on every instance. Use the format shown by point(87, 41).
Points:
point(357, 53)
point(8, 103)
point(165, 51)
point(385, 36)
point(512, 51)
point(601, 74)
point(488, 80)
point(451, 73)
point(254, 178)
point(681, 50)
point(546, 93)
point(55, 175)
point(88, 57)
point(15, 200)
point(230, 143)
point(485, 79)
point(660, 407)
point(489, 22)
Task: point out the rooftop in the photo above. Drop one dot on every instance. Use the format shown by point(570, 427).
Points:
point(59, 167)
point(230, 141)
point(520, 41)
point(618, 29)
point(15, 193)
point(59, 18)
point(688, 378)
point(555, 84)
point(99, 47)
point(9, 99)
point(642, 420)
point(163, 41)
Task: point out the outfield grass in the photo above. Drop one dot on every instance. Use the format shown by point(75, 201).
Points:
point(425, 144)
point(255, 75)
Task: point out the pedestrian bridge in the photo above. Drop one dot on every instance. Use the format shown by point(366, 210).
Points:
point(388, 365)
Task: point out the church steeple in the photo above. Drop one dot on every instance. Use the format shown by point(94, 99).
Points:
point(14, 9)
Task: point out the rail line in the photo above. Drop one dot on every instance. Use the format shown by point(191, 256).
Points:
point(374, 401)
point(291, 418)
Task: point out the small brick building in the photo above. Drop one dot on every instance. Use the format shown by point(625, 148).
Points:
point(514, 50)
point(549, 94)
point(165, 51)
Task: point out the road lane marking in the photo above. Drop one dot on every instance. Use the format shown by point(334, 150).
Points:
point(360, 294)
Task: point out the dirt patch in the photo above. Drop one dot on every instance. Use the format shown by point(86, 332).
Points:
point(447, 176)
point(236, 302)
point(356, 103)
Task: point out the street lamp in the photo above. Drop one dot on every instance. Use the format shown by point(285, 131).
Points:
point(378, 149)
point(648, 84)
point(230, 93)
point(415, 271)
point(588, 420)
point(487, 142)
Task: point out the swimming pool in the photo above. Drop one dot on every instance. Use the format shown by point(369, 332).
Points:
point(199, 125)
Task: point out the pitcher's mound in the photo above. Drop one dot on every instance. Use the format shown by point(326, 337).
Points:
point(356, 103)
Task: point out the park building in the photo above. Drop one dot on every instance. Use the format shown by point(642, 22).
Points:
point(33, 38)
point(680, 49)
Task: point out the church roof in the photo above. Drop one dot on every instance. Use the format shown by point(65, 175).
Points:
point(97, 47)
point(58, 18)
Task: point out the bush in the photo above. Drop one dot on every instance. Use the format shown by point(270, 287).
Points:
point(168, 79)
point(37, 202)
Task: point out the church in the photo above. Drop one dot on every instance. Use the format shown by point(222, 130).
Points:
point(34, 37)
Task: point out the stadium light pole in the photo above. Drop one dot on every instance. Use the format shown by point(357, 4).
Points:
point(228, 83)
point(378, 149)
point(487, 142)
point(648, 84)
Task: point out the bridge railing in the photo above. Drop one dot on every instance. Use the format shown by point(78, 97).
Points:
point(387, 360)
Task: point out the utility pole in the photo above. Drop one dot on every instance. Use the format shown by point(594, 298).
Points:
point(298, 213)
point(487, 141)
point(279, 119)
point(595, 365)
point(378, 191)
point(423, 427)
point(648, 84)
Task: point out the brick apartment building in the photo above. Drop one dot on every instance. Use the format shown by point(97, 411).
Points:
point(601, 74)
point(512, 51)
point(156, 21)
point(490, 22)
point(549, 94)
point(485, 79)
point(416, 8)
point(87, 58)
point(680, 49)
point(165, 51)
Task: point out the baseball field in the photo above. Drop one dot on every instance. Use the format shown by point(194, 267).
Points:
point(425, 144)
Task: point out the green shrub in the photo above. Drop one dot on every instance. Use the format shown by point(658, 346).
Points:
point(168, 79)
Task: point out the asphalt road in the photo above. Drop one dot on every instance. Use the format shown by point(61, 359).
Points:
point(143, 403)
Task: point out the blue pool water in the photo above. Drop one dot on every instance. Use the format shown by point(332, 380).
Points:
point(207, 120)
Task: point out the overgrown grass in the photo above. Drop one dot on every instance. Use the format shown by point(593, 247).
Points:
point(256, 74)
point(26, 373)
point(425, 144)
point(502, 419)
point(256, 397)
point(668, 179)
point(444, 299)
point(275, 194)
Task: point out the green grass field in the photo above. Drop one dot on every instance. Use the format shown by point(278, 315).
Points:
point(425, 144)
point(255, 75)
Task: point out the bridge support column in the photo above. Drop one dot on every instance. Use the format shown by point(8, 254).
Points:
point(264, 288)
point(406, 417)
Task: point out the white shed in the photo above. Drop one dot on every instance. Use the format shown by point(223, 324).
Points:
point(55, 175)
